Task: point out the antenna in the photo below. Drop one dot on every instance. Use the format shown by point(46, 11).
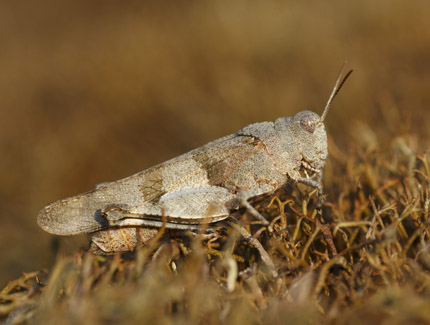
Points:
point(337, 86)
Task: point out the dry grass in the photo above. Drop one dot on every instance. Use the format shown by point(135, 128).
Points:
point(366, 260)
point(93, 92)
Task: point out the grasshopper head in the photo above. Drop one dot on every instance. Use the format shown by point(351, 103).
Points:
point(309, 130)
point(311, 136)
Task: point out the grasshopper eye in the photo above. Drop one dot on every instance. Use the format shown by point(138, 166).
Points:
point(307, 122)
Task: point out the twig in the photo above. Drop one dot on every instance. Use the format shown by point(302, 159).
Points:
point(257, 245)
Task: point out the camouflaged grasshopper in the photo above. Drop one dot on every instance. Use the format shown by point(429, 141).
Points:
point(202, 186)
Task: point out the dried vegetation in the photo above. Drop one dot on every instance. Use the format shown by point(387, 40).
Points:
point(367, 259)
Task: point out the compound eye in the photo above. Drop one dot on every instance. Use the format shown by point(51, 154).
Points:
point(307, 122)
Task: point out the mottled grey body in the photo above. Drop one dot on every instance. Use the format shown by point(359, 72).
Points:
point(204, 184)
point(201, 186)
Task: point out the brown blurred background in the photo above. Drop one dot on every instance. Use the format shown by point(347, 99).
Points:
point(93, 91)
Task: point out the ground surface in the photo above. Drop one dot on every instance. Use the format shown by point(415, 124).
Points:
point(367, 260)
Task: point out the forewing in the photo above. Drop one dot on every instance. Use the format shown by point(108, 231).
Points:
point(209, 165)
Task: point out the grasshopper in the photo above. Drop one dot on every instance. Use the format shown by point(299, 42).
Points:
point(202, 186)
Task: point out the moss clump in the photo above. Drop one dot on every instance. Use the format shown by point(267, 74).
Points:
point(366, 260)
